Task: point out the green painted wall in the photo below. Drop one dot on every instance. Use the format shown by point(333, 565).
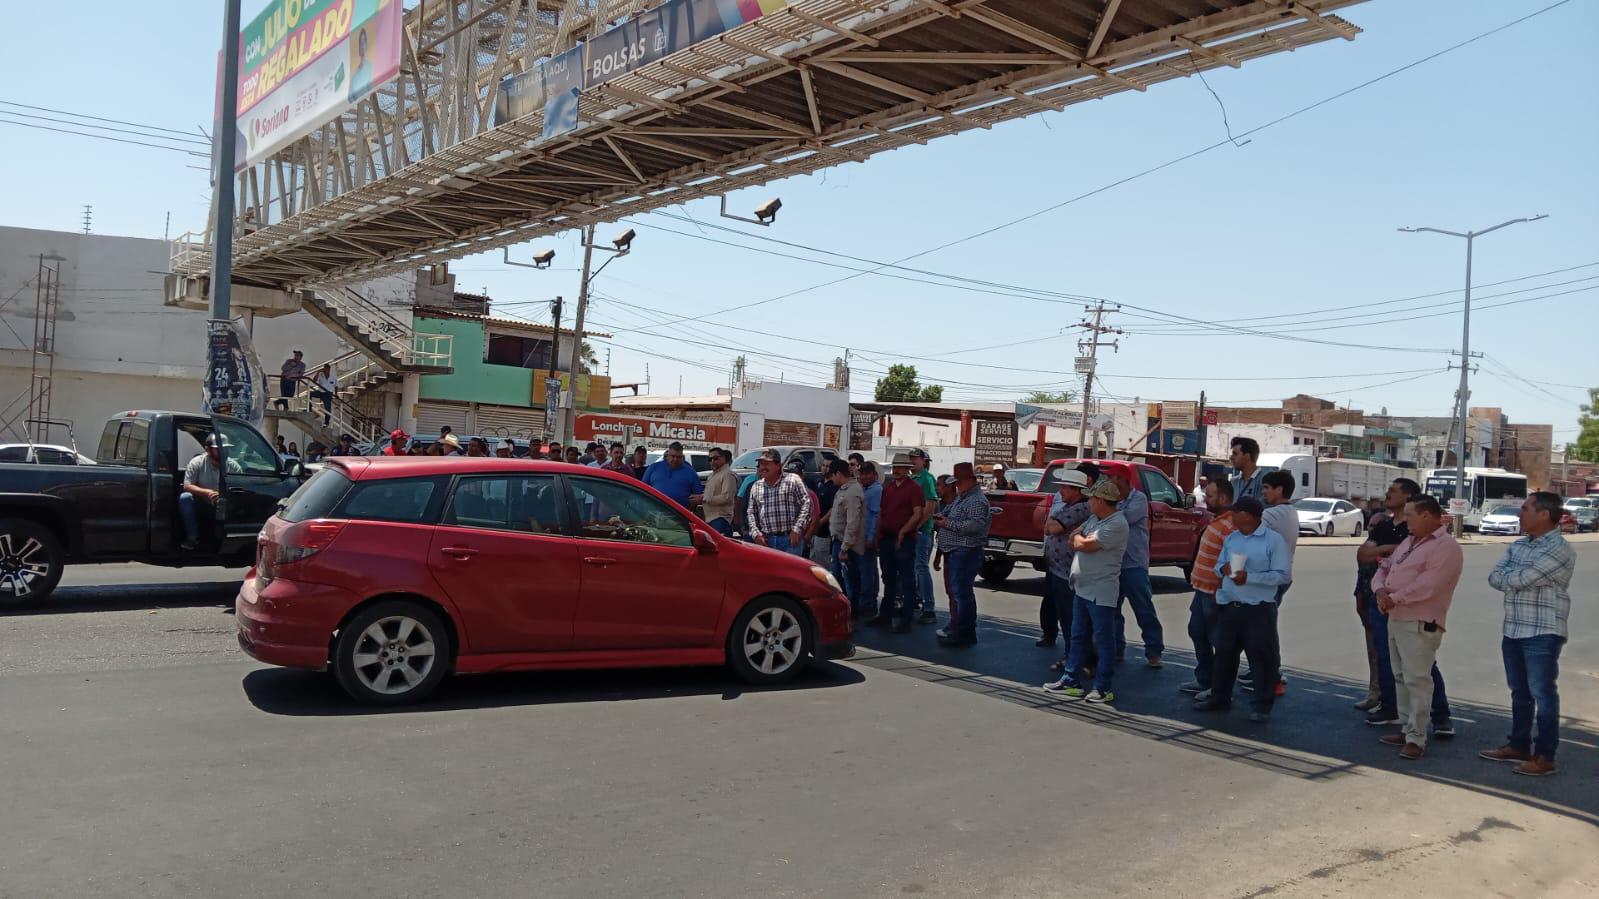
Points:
point(473, 380)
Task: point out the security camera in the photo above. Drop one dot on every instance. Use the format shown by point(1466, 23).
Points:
point(766, 213)
point(543, 260)
point(624, 241)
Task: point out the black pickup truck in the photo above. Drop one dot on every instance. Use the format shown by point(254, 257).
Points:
point(125, 508)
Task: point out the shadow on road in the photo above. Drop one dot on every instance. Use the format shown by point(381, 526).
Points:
point(1027, 582)
point(282, 691)
point(99, 598)
point(1314, 732)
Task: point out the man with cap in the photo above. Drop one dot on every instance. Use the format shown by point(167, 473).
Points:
point(449, 445)
point(779, 506)
point(397, 441)
point(1069, 510)
point(963, 531)
point(924, 532)
point(1097, 550)
point(897, 520)
point(202, 482)
point(345, 447)
point(506, 449)
point(1000, 481)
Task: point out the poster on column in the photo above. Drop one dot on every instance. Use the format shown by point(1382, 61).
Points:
point(232, 384)
point(303, 62)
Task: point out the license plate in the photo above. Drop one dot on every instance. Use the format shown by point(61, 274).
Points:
point(996, 544)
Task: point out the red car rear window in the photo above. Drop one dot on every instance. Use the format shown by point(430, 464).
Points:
point(316, 497)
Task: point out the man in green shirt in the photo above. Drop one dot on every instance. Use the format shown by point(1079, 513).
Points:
point(924, 533)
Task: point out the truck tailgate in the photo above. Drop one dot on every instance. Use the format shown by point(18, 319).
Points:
point(1016, 515)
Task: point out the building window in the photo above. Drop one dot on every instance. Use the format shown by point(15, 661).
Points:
point(518, 351)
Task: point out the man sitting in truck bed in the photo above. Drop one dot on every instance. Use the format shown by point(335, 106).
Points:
point(202, 482)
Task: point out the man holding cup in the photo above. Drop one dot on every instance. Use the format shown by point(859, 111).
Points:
point(1253, 564)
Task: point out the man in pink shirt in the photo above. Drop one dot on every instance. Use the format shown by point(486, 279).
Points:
point(1414, 586)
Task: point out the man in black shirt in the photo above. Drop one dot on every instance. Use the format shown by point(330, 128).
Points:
point(1386, 534)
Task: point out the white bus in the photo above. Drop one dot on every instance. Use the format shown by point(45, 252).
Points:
point(1486, 488)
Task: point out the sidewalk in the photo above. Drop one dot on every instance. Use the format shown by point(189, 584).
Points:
point(1468, 539)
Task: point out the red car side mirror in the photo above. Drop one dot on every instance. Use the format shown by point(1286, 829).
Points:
point(704, 542)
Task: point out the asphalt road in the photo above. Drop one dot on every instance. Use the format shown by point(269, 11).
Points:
point(144, 755)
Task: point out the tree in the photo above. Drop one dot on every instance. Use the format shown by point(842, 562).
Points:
point(587, 360)
point(1586, 447)
point(1040, 397)
point(901, 386)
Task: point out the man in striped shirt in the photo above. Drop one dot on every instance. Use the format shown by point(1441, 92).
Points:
point(780, 506)
point(1202, 609)
point(1535, 576)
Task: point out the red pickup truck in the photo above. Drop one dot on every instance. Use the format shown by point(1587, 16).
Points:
point(1016, 530)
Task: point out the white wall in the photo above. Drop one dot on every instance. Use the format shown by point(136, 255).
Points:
point(1272, 438)
point(117, 345)
point(757, 401)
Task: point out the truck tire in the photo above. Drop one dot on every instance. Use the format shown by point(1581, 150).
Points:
point(995, 571)
point(31, 561)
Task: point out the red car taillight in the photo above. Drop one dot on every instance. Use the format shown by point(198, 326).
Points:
point(295, 544)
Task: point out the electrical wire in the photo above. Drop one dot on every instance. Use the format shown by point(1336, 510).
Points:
point(120, 140)
point(80, 115)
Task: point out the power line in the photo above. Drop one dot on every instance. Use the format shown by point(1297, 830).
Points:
point(44, 118)
point(120, 140)
point(80, 115)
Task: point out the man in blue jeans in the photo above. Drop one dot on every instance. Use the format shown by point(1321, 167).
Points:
point(866, 606)
point(1097, 550)
point(963, 530)
point(1535, 576)
point(1136, 590)
point(924, 533)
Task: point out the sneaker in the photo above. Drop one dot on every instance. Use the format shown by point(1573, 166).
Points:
point(927, 618)
point(941, 632)
point(188, 545)
point(1097, 697)
point(1381, 717)
point(1061, 686)
point(1203, 696)
point(1537, 766)
point(1191, 688)
point(1369, 703)
point(1443, 727)
point(1074, 692)
point(1505, 754)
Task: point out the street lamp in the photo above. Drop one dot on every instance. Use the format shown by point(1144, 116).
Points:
point(540, 260)
point(1465, 351)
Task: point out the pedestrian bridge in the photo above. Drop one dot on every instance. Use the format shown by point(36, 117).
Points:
point(424, 171)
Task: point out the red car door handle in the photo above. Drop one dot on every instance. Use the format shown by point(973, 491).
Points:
point(459, 552)
point(599, 561)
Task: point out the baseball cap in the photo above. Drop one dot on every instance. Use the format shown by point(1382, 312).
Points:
point(771, 455)
point(1071, 477)
point(398, 434)
point(919, 453)
point(796, 466)
point(1105, 489)
point(946, 480)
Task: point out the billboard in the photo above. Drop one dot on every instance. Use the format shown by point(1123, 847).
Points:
point(302, 62)
point(554, 84)
point(654, 431)
point(994, 442)
point(232, 384)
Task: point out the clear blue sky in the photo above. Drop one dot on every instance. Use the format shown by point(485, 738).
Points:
point(1301, 219)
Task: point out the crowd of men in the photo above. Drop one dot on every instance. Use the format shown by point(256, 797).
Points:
point(884, 537)
point(1407, 572)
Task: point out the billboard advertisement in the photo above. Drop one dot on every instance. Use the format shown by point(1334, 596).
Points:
point(654, 431)
point(555, 83)
point(994, 442)
point(232, 384)
point(303, 62)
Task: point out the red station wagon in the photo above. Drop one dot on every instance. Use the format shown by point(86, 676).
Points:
point(398, 571)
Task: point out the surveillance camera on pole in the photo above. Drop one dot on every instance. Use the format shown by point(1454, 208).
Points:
point(765, 214)
point(540, 260)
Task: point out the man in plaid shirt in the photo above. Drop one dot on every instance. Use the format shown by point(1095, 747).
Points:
point(780, 506)
point(1535, 576)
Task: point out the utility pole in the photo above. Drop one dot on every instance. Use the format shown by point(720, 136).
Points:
point(1086, 364)
point(1465, 355)
point(569, 415)
point(226, 132)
